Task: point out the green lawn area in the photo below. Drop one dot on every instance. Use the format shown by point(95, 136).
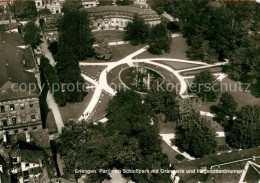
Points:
point(74, 110)
point(178, 50)
point(92, 71)
point(109, 35)
point(100, 110)
point(113, 76)
point(118, 52)
point(178, 65)
point(216, 69)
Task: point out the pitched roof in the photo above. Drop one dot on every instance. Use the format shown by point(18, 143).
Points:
point(15, 63)
point(129, 9)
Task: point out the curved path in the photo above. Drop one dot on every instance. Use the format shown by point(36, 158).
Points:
point(102, 84)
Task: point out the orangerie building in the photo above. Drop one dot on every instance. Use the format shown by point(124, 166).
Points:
point(118, 16)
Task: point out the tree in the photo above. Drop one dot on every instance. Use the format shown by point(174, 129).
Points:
point(159, 40)
point(24, 9)
point(209, 55)
point(137, 31)
point(205, 86)
point(103, 50)
point(194, 135)
point(53, 47)
point(32, 34)
point(244, 131)
point(75, 32)
point(226, 109)
point(162, 100)
point(70, 75)
point(127, 114)
point(84, 146)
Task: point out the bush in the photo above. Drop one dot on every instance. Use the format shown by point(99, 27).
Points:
point(179, 157)
point(103, 51)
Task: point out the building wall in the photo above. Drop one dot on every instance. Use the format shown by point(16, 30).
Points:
point(114, 19)
point(89, 4)
point(20, 115)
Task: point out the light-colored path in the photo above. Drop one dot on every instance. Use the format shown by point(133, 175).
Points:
point(50, 99)
point(56, 112)
point(102, 85)
point(167, 138)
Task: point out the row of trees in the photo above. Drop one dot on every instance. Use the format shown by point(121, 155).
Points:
point(75, 43)
point(157, 37)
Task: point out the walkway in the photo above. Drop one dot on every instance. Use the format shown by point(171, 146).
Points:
point(50, 99)
point(102, 85)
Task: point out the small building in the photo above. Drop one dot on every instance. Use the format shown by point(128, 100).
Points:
point(89, 3)
point(119, 16)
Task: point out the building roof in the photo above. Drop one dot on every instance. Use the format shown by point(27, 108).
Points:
point(129, 9)
point(16, 66)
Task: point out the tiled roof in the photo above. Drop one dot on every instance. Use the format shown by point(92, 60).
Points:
point(12, 69)
point(129, 9)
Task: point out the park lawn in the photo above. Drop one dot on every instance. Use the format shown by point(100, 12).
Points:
point(171, 154)
point(100, 109)
point(113, 76)
point(178, 50)
point(50, 123)
point(92, 71)
point(109, 35)
point(214, 159)
point(177, 65)
point(75, 110)
point(213, 70)
point(118, 52)
point(167, 127)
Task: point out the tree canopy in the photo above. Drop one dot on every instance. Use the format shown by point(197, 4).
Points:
point(74, 31)
point(24, 9)
point(32, 34)
point(159, 40)
point(137, 31)
point(193, 133)
point(205, 86)
point(244, 131)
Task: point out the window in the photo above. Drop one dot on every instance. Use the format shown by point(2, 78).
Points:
point(23, 120)
point(14, 121)
point(11, 107)
point(31, 104)
point(22, 106)
point(15, 160)
point(34, 128)
point(15, 131)
point(33, 117)
point(26, 164)
point(2, 109)
point(39, 4)
point(5, 122)
point(25, 129)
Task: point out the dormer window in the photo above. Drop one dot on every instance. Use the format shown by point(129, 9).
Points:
point(33, 117)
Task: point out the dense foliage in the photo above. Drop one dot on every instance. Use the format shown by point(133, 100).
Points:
point(163, 100)
point(32, 34)
point(24, 9)
point(103, 51)
point(245, 129)
point(53, 81)
point(205, 86)
point(137, 31)
point(159, 40)
point(70, 75)
point(74, 32)
point(193, 133)
point(226, 109)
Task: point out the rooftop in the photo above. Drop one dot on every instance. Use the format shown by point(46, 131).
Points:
point(16, 66)
point(129, 9)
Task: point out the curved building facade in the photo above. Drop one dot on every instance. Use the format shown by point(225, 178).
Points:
point(119, 16)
